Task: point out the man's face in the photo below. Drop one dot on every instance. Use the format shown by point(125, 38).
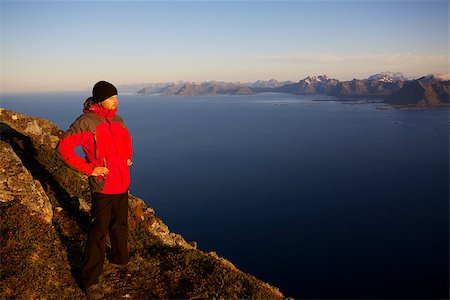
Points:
point(110, 103)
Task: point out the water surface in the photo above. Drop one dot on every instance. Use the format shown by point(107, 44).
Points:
point(319, 198)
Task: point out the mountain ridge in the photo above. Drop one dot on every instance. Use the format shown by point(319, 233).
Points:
point(393, 87)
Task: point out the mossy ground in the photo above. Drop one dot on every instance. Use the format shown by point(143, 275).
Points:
point(34, 262)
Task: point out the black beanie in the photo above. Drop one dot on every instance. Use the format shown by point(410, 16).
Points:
point(103, 90)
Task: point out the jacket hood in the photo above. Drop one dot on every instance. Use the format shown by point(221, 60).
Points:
point(92, 107)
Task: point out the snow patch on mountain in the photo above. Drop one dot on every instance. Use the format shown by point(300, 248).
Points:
point(272, 83)
point(316, 79)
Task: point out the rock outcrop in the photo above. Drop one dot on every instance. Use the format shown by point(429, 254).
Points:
point(42, 249)
point(17, 184)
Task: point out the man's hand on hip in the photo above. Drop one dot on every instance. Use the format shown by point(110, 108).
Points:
point(100, 171)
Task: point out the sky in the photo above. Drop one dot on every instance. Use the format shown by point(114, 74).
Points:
point(70, 45)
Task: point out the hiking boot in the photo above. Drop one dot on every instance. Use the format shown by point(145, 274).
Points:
point(130, 266)
point(94, 292)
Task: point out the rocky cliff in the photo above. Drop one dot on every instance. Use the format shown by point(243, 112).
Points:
point(44, 217)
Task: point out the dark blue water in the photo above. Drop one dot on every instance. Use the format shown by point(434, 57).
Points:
point(319, 198)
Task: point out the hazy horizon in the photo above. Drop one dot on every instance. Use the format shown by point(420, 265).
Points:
point(68, 46)
point(124, 87)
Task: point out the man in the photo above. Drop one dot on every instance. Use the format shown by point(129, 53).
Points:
point(106, 142)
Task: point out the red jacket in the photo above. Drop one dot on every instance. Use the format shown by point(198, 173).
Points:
point(106, 142)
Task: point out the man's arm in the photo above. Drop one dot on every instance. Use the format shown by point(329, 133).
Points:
point(66, 150)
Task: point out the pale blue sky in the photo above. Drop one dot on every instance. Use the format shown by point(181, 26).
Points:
point(62, 45)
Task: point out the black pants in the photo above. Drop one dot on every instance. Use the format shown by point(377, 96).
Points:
point(109, 213)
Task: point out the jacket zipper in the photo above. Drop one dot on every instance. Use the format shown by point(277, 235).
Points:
point(100, 177)
point(117, 153)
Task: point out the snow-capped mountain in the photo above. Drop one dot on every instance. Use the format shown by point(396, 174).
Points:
point(316, 79)
point(315, 84)
point(388, 77)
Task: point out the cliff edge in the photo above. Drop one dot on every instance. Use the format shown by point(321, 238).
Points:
point(44, 218)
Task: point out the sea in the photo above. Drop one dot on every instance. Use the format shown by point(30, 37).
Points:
point(322, 198)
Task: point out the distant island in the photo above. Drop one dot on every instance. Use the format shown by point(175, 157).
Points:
point(394, 88)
